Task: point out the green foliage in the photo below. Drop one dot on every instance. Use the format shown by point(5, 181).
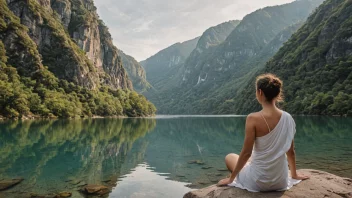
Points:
point(315, 65)
point(44, 95)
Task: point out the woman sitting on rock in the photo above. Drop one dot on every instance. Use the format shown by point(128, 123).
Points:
point(268, 140)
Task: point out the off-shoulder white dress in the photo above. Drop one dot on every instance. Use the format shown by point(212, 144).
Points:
point(268, 169)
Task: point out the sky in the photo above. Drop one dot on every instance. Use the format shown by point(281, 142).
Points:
point(141, 28)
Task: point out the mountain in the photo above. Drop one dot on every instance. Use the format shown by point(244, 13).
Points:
point(208, 42)
point(163, 64)
point(171, 78)
point(135, 72)
point(224, 104)
point(315, 65)
point(224, 68)
point(58, 60)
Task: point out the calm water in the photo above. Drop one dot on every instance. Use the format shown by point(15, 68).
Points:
point(149, 157)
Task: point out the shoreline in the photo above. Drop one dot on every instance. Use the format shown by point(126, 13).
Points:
point(160, 116)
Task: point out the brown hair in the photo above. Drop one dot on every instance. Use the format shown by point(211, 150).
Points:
point(271, 86)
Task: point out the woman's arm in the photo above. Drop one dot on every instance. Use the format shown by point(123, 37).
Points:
point(246, 150)
point(291, 158)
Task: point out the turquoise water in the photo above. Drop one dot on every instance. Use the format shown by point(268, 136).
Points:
point(149, 157)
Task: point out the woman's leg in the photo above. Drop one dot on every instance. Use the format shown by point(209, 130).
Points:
point(231, 161)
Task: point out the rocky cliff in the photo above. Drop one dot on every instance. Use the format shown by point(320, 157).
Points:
point(45, 73)
point(320, 184)
point(166, 63)
point(206, 46)
point(135, 72)
point(73, 42)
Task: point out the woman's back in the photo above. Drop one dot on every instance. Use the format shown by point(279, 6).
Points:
point(268, 169)
point(265, 122)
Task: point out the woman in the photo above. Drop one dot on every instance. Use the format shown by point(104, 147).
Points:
point(268, 140)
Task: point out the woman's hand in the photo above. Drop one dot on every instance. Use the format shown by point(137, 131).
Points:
point(224, 182)
point(300, 177)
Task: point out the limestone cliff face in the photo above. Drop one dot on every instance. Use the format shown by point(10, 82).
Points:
point(168, 62)
point(91, 35)
point(21, 50)
point(135, 72)
point(73, 42)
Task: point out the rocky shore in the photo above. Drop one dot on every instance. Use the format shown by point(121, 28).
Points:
point(321, 184)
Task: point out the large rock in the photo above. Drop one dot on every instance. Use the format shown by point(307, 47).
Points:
point(93, 189)
point(321, 184)
point(6, 184)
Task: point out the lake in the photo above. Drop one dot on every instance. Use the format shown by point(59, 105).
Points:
point(165, 156)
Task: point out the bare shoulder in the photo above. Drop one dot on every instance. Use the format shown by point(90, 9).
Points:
point(253, 116)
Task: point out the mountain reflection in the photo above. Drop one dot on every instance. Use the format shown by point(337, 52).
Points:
point(48, 153)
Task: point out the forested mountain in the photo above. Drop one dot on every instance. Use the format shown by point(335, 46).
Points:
point(57, 59)
point(164, 64)
point(315, 65)
point(164, 74)
point(135, 72)
point(212, 79)
point(172, 79)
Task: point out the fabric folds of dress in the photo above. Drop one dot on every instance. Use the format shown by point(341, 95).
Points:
point(268, 169)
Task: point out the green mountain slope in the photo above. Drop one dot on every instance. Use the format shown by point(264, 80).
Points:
point(210, 81)
point(315, 65)
point(29, 88)
point(245, 42)
point(173, 77)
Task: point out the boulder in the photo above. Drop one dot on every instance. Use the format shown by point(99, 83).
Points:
point(93, 189)
point(321, 184)
point(8, 183)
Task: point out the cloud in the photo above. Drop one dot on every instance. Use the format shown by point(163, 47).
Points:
point(141, 28)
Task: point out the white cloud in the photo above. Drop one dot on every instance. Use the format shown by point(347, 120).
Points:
point(141, 28)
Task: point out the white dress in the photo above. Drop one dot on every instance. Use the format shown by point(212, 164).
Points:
point(268, 169)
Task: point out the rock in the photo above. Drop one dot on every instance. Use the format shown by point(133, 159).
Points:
point(206, 167)
point(6, 184)
point(93, 189)
point(317, 186)
point(64, 195)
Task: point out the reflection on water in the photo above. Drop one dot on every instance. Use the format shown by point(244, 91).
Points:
point(144, 182)
point(149, 157)
point(63, 155)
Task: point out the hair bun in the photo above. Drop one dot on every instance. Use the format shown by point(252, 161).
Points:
point(271, 86)
point(276, 82)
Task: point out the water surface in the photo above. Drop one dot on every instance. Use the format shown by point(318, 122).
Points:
point(162, 157)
